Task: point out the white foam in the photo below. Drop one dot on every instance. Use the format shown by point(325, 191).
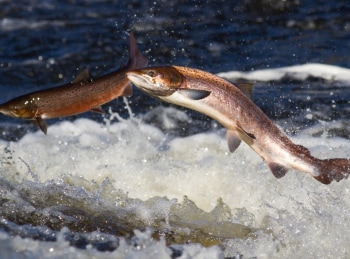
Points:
point(10, 24)
point(299, 217)
point(298, 72)
point(296, 216)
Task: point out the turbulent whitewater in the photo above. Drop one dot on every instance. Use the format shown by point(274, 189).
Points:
point(131, 187)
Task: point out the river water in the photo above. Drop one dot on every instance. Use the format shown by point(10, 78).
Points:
point(151, 180)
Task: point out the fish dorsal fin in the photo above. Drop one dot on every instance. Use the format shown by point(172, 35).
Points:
point(277, 170)
point(82, 77)
point(98, 109)
point(233, 140)
point(244, 135)
point(41, 124)
point(127, 91)
point(122, 66)
point(193, 94)
point(246, 88)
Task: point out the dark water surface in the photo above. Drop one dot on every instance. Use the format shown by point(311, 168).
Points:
point(43, 43)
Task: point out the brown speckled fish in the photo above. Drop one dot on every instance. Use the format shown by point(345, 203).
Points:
point(227, 104)
point(81, 95)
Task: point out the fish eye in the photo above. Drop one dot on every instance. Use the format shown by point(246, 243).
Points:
point(151, 73)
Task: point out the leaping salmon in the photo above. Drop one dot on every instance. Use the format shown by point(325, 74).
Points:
point(229, 105)
point(81, 95)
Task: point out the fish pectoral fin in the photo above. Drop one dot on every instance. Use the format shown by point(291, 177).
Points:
point(82, 77)
point(127, 91)
point(277, 170)
point(41, 124)
point(244, 135)
point(194, 94)
point(246, 88)
point(98, 109)
point(233, 140)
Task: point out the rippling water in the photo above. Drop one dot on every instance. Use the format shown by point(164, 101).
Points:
point(160, 182)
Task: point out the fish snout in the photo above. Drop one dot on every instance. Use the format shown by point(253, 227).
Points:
point(138, 79)
point(16, 112)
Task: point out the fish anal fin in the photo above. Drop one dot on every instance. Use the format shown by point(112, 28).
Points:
point(98, 109)
point(41, 124)
point(277, 170)
point(82, 77)
point(246, 88)
point(233, 140)
point(127, 91)
point(193, 94)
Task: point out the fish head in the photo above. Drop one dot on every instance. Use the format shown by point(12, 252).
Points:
point(19, 109)
point(157, 81)
point(168, 84)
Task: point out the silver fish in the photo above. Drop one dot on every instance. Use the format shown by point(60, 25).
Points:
point(229, 105)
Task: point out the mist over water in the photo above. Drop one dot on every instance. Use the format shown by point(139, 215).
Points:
point(151, 180)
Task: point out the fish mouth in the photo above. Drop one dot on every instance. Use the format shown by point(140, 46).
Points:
point(7, 112)
point(147, 85)
point(139, 80)
point(143, 83)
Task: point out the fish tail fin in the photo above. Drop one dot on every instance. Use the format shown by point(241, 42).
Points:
point(333, 169)
point(136, 59)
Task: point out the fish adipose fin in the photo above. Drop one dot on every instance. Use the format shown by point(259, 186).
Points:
point(82, 77)
point(303, 149)
point(233, 140)
point(193, 94)
point(333, 169)
point(277, 170)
